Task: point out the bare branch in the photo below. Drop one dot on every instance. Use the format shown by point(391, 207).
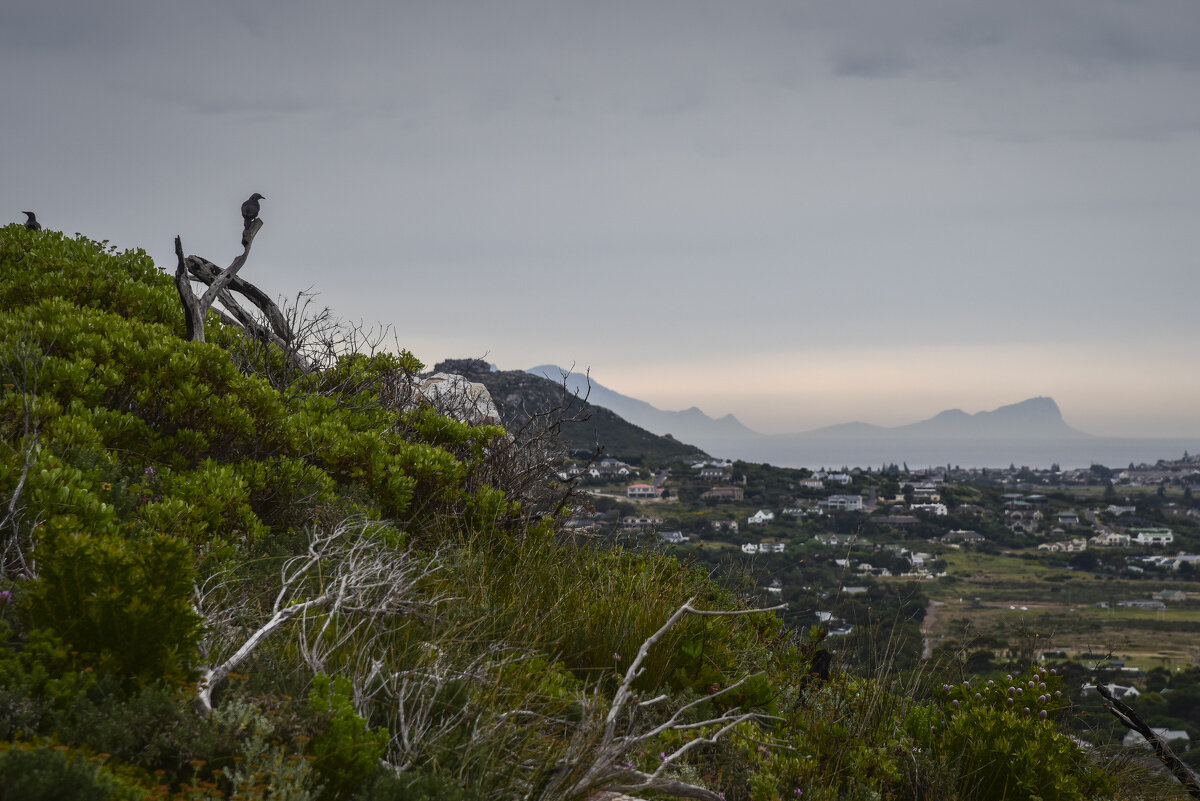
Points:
point(346, 571)
point(194, 308)
point(1131, 720)
point(601, 760)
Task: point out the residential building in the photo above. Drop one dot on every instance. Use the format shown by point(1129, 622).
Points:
point(764, 547)
point(1153, 606)
point(643, 491)
point(723, 494)
point(640, 521)
point(962, 535)
point(1065, 546)
point(842, 503)
point(1118, 691)
point(1132, 738)
point(760, 518)
point(1152, 536)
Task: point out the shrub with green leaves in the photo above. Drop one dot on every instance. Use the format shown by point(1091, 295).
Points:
point(124, 605)
point(32, 772)
point(347, 751)
point(997, 740)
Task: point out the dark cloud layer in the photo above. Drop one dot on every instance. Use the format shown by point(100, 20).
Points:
point(799, 174)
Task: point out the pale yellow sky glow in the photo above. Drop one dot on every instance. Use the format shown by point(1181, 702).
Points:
point(1101, 390)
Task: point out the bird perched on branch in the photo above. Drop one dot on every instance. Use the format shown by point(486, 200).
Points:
point(31, 223)
point(250, 208)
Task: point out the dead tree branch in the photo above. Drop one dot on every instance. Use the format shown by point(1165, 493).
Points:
point(273, 327)
point(1131, 720)
point(204, 270)
point(194, 308)
point(347, 572)
point(601, 754)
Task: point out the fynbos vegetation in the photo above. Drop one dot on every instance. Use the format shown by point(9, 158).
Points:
point(230, 574)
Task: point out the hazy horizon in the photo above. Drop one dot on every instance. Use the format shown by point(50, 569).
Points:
point(802, 214)
point(645, 386)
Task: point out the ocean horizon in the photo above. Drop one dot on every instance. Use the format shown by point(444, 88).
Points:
point(837, 452)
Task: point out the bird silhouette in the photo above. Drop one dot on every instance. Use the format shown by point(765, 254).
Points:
point(32, 224)
point(250, 208)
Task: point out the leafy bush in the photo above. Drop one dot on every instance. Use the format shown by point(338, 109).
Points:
point(346, 750)
point(125, 606)
point(998, 740)
point(55, 773)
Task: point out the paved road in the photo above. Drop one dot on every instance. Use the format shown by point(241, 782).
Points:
point(927, 629)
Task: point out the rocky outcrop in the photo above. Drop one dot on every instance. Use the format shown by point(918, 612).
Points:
point(448, 394)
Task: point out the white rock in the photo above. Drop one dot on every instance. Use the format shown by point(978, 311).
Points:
point(455, 397)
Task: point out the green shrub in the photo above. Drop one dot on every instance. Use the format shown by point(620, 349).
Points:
point(30, 772)
point(125, 606)
point(346, 750)
point(998, 740)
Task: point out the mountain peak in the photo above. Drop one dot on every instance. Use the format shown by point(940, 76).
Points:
point(689, 425)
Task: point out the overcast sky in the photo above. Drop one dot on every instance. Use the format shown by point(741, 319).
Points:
point(803, 213)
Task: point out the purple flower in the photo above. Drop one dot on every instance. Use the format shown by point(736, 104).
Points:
point(149, 471)
point(5, 596)
point(616, 656)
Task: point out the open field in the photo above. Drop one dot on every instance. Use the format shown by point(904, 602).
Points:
point(1015, 600)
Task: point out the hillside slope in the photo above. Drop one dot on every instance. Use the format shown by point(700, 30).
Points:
point(219, 584)
point(518, 394)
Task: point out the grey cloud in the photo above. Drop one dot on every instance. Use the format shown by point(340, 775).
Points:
point(683, 162)
point(874, 63)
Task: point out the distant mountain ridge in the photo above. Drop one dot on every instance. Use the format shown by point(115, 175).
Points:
point(1035, 417)
point(688, 425)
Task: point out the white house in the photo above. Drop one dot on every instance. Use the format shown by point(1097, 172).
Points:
point(1065, 546)
point(760, 518)
point(842, 503)
point(1153, 536)
point(1133, 738)
point(936, 508)
point(643, 491)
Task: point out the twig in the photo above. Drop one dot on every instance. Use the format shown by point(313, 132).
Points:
point(1187, 777)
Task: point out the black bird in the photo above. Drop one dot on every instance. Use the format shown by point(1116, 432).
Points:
point(250, 208)
point(32, 224)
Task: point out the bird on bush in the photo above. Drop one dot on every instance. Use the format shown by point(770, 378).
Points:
point(250, 208)
point(32, 224)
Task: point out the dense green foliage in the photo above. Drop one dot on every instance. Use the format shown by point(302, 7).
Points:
point(167, 511)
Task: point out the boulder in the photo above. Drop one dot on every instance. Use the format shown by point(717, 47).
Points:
point(450, 395)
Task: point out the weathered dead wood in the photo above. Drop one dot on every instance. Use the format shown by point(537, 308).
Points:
point(600, 758)
point(221, 286)
point(194, 308)
point(1132, 720)
point(204, 270)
